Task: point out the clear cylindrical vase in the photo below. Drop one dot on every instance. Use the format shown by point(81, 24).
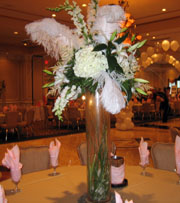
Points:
point(98, 154)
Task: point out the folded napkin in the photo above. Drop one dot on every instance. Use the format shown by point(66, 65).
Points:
point(118, 197)
point(119, 200)
point(11, 161)
point(177, 154)
point(2, 195)
point(143, 152)
point(54, 148)
point(117, 174)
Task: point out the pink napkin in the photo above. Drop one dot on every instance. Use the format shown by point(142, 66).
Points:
point(2, 195)
point(11, 161)
point(118, 197)
point(143, 152)
point(177, 154)
point(54, 148)
point(117, 174)
point(119, 200)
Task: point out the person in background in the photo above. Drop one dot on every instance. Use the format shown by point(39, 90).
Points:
point(165, 107)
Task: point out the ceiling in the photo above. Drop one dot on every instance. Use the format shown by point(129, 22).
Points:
point(14, 15)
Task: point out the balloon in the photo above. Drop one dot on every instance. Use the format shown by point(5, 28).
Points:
point(171, 59)
point(150, 51)
point(177, 65)
point(174, 45)
point(165, 45)
point(144, 56)
point(155, 57)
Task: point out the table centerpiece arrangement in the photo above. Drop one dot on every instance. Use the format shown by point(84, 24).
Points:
point(92, 59)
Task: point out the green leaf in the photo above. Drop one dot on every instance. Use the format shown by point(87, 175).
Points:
point(123, 29)
point(136, 46)
point(133, 47)
point(141, 43)
point(113, 64)
point(141, 80)
point(100, 47)
point(121, 39)
point(127, 87)
point(113, 35)
point(133, 38)
point(111, 46)
point(141, 91)
point(48, 72)
point(48, 85)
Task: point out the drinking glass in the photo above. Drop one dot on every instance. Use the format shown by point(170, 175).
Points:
point(15, 176)
point(143, 173)
point(54, 173)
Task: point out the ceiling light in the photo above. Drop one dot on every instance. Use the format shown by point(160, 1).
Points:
point(16, 33)
point(25, 44)
point(164, 9)
point(84, 5)
point(154, 37)
point(53, 15)
point(147, 34)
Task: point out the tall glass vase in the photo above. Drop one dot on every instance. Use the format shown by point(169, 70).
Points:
point(98, 156)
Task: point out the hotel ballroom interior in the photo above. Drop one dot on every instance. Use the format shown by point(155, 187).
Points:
point(145, 118)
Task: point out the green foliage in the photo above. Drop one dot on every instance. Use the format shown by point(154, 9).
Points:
point(48, 85)
point(127, 86)
point(48, 72)
point(121, 39)
point(113, 35)
point(141, 91)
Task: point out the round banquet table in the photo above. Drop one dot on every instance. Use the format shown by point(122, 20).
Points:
point(158, 186)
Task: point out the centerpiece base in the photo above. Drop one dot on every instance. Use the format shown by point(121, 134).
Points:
point(84, 199)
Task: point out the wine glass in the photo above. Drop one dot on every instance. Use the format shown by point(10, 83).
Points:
point(54, 164)
point(178, 174)
point(143, 173)
point(15, 176)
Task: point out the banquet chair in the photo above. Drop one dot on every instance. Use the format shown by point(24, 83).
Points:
point(82, 152)
point(163, 156)
point(27, 124)
point(34, 158)
point(174, 132)
point(49, 118)
point(73, 117)
point(11, 123)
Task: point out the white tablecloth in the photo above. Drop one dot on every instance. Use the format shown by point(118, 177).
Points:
point(158, 187)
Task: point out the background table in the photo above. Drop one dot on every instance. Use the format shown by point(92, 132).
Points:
point(158, 187)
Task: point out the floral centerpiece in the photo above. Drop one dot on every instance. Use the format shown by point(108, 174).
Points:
point(92, 58)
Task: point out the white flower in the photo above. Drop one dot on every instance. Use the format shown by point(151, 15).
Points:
point(66, 95)
point(89, 63)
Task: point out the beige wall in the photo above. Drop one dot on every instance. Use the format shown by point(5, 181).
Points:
point(16, 70)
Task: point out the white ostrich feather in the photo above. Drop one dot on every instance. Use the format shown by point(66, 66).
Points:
point(53, 36)
point(107, 21)
point(112, 97)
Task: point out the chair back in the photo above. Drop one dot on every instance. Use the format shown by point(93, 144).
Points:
point(82, 153)
point(11, 119)
point(163, 156)
point(30, 117)
point(34, 159)
point(174, 132)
